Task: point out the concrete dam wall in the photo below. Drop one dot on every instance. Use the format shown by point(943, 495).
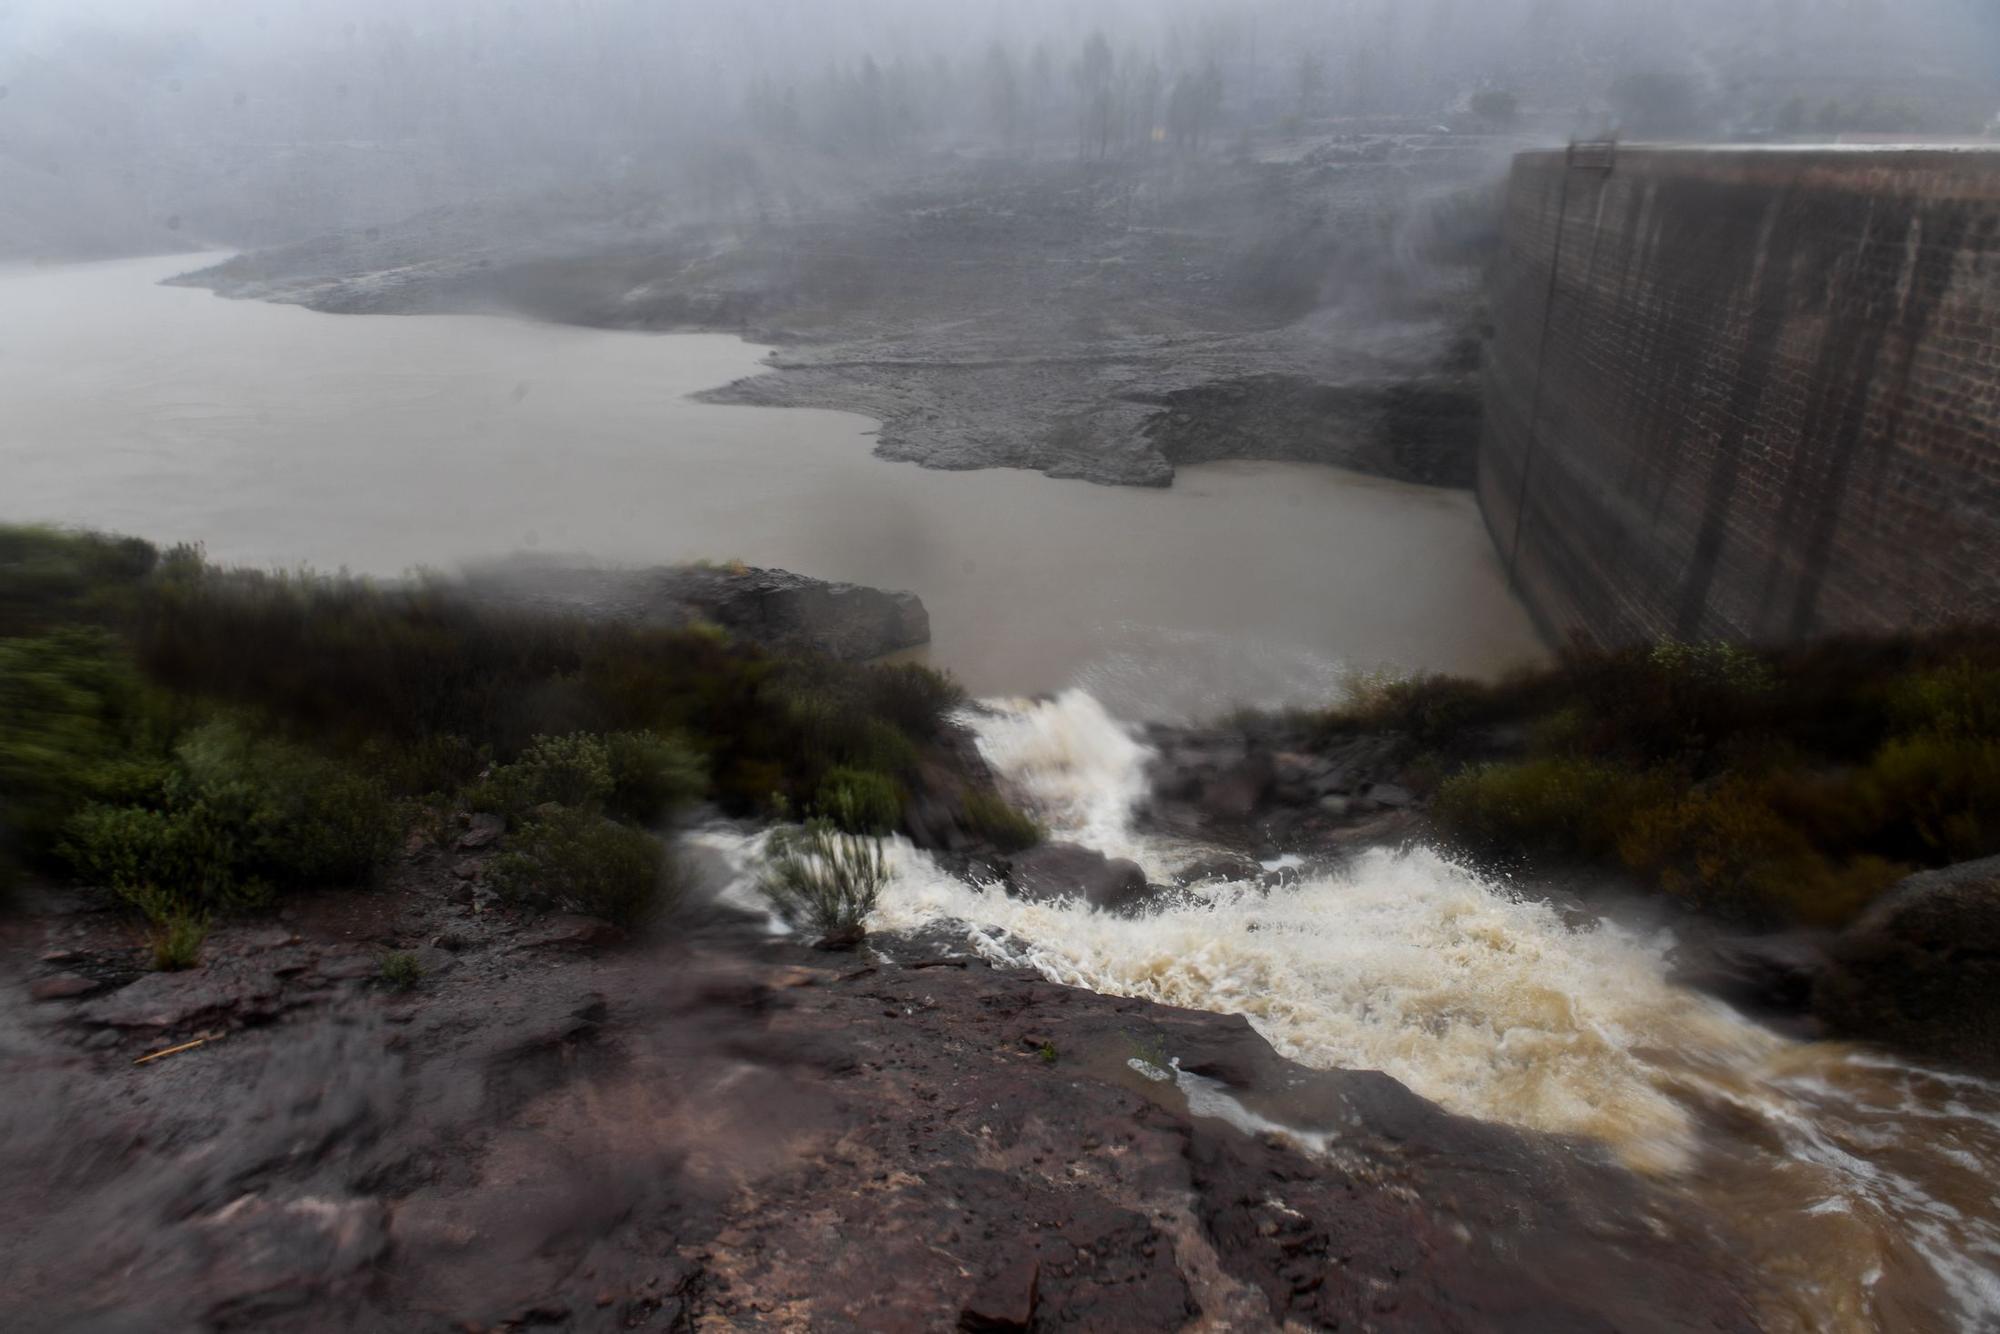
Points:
point(1746, 393)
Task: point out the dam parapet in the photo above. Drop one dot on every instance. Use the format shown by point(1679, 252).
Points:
point(1747, 393)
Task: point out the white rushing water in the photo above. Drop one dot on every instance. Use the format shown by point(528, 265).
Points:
point(1870, 1179)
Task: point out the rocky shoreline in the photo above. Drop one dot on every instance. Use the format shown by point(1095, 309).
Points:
point(1101, 322)
point(776, 610)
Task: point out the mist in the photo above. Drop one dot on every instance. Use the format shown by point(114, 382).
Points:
point(130, 126)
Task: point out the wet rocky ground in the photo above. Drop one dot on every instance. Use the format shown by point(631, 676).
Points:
point(1310, 300)
point(708, 1127)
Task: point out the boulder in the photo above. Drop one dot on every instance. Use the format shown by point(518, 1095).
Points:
point(1921, 968)
point(1065, 870)
point(1772, 973)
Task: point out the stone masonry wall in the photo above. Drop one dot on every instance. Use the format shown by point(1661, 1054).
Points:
point(1747, 393)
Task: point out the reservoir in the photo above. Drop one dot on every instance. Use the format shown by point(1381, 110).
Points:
point(277, 435)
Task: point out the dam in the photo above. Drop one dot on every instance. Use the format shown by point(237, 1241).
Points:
point(1746, 392)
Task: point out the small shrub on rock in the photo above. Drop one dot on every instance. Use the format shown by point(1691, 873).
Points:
point(401, 970)
point(824, 880)
point(577, 859)
point(176, 941)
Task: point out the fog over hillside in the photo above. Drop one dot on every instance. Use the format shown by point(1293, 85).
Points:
point(145, 125)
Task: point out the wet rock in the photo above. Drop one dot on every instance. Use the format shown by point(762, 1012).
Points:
point(1772, 972)
point(1065, 870)
point(482, 831)
point(1921, 968)
point(572, 931)
point(1391, 795)
point(180, 1000)
point(64, 986)
point(1004, 1301)
point(265, 1255)
point(1230, 869)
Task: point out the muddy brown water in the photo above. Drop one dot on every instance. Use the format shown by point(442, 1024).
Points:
point(278, 435)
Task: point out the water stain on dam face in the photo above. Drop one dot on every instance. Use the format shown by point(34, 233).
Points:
point(1760, 391)
point(276, 435)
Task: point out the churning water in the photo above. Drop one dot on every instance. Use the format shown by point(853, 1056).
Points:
point(1864, 1186)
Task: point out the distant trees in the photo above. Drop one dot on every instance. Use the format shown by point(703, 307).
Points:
point(1118, 101)
point(1093, 91)
point(1194, 106)
point(1003, 95)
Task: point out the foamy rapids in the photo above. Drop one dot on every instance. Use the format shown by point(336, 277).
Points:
point(1869, 1177)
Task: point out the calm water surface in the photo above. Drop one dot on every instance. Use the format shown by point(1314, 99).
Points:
point(278, 435)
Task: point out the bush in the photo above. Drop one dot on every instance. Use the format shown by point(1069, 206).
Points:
point(1727, 849)
point(652, 774)
point(1007, 829)
point(861, 802)
point(51, 578)
point(236, 816)
point(1555, 805)
point(914, 698)
point(71, 731)
point(401, 970)
point(824, 880)
point(572, 770)
point(578, 860)
point(1941, 793)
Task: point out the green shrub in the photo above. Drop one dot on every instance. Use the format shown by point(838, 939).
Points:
point(72, 730)
point(572, 770)
point(637, 775)
point(1939, 795)
point(401, 970)
point(50, 577)
point(302, 819)
point(861, 802)
point(176, 940)
point(824, 880)
point(1431, 709)
point(1959, 699)
point(235, 818)
point(991, 818)
point(429, 766)
point(652, 774)
point(579, 860)
point(1552, 806)
point(911, 697)
point(1726, 849)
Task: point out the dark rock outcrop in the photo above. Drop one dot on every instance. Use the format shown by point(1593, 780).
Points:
point(1771, 974)
point(1066, 870)
point(1921, 968)
point(776, 609)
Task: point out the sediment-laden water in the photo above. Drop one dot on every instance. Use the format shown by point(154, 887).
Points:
point(278, 435)
point(1863, 1185)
